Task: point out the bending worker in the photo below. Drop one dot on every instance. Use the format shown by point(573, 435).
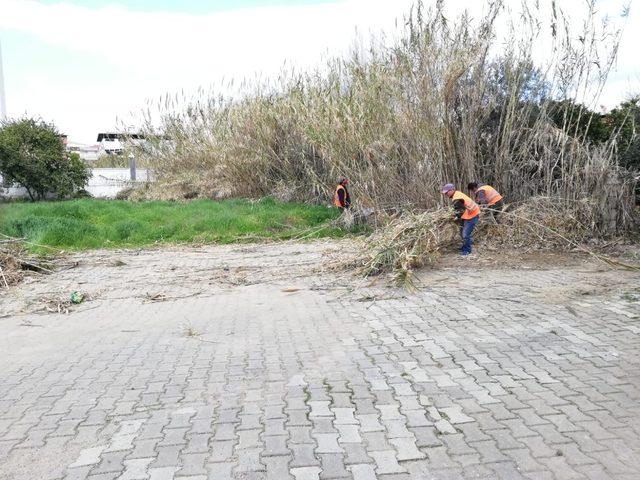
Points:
point(467, 211)
point(341, 198)
point(487, 196)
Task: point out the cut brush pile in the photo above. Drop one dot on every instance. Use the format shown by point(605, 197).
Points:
point(10, 269)
point(413, 240)
point(541, 223)
point(407, 242)
point(15, 261)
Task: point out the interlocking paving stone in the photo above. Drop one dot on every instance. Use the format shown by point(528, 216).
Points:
point(164, 473)
point(167, 456)
point(328, 443)
point(221, 471)
point(444, 427)
point(88, 456)
point(249, 438)
point(221, 451)
point(303, 455)
point(278, 468)
point(387, 462)
point(407, 449)
point(376, 441)
point(249, 460)
point(356, 453)
point(192, 464)
point(136, 469)
point(300, 434)
point(320, 409)
point(110, 462)
point(483, 381)
point(370, 423)
point(333, 466)
point(348, 434)
point(306, 473)
point(417, 418)
point(362, 472)
point(344, 416)
point(275, 446)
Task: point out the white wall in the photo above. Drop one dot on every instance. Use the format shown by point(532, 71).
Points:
point(104, 183)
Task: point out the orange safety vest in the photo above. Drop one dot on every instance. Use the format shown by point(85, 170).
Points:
point(471, 208)
point(491, 194)
point(336, 198)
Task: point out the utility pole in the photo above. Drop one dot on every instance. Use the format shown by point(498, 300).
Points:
point(3, 102)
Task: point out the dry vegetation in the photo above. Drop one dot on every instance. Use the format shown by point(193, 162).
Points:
point(16, 261)
point(10, 269)
point(450, 101)
point(409, 241)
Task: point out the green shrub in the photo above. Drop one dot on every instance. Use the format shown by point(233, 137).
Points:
point(32, 155)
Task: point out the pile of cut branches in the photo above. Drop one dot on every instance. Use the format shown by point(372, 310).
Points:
point(409, 241)
point(10, 270)
point(406, 242)
point(540, 223)
point(16, 261)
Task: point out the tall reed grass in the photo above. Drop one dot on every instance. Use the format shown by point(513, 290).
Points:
point(449, 101)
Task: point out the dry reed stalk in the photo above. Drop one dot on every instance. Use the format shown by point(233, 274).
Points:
point(4, 278)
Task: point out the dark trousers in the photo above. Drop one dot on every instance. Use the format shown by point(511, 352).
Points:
point(496, 209)
point(466, 232)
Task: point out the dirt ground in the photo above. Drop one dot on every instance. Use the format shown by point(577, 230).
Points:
point(177, 272)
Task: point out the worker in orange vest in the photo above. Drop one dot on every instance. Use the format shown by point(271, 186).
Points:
point(341, 198)
point(487, 196)
point(467, 211)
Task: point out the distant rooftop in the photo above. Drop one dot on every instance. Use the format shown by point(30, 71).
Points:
point(119, 136)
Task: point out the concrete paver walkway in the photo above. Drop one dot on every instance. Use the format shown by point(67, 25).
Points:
point(535, 377)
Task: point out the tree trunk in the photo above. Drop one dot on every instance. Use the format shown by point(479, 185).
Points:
point(30, 194)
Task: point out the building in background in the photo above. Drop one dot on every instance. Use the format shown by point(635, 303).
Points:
point(112, 143)
point(88, 153)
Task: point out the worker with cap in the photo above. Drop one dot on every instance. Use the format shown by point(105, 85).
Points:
point(341, 198)
point(488, 197)
point(466, 211)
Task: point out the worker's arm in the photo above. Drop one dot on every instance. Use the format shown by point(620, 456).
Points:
point(341, 196)
point(458, 206)
point(481, 198)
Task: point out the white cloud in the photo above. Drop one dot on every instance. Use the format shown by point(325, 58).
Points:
point(166, 52)
point(153, 53)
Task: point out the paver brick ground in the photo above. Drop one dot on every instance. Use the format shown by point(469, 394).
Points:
point(258, 362)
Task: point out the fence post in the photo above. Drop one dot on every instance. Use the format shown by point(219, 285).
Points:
point(132, 167)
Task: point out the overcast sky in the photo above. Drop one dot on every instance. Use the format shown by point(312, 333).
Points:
point(83, 63)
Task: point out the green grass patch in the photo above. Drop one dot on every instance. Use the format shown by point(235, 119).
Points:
point(88, 223)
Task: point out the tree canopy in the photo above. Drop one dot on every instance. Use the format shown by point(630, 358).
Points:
point(33, 156)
